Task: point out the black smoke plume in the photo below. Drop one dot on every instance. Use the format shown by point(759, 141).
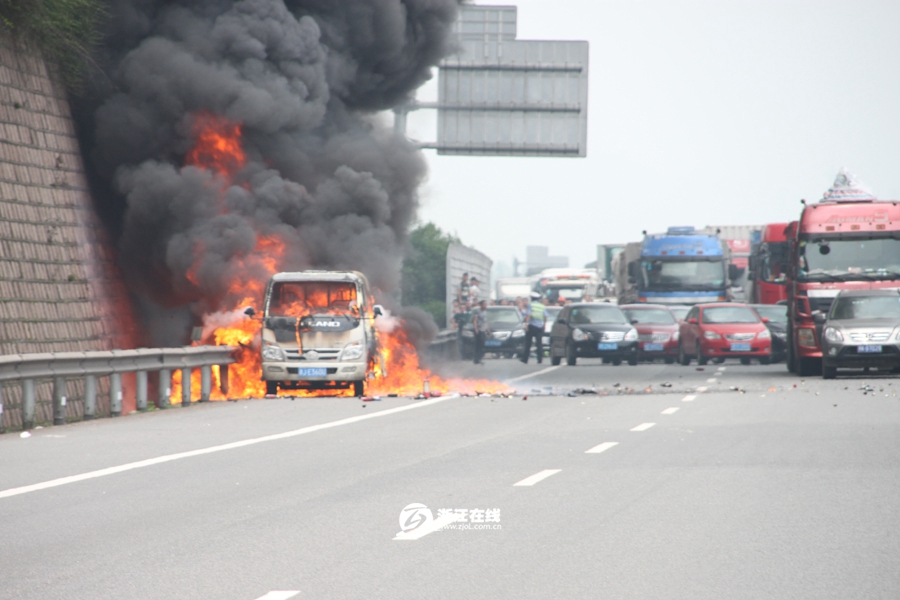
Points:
point(324, 172)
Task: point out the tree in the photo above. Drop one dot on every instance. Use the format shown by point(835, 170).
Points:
point(425, 270)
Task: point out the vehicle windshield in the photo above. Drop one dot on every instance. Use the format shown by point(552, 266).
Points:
point(776, 313)
point(684, 275)
point(866, 307)
point(647, 316)
point(572, 293)
point(300, 298)
point(680, 312)
point(504, 316)
point(729, 314)
point(513, 290)
point(585, 315)
point(773, 262)
point(871, 259)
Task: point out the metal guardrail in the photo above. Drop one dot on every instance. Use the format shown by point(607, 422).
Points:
point(61, 366)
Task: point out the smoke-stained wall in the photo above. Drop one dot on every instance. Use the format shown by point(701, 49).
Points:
point(59, 287)
point(325, 176)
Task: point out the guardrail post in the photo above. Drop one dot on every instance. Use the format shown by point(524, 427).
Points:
point(59, 400)
point(185, 387)
point(90, 397)
point(115, 395)
point(28, 404)
point(141, 379)
point(205, 382)
point(165, 388)
point(223, 379)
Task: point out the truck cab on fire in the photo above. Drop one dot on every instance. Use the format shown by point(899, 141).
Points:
point(318, 331)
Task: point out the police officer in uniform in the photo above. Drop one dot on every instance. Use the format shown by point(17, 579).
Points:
point(535, 329)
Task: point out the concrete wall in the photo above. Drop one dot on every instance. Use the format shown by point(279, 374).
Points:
point(59, 287)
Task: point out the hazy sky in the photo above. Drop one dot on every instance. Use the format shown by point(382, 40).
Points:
point(700, 112)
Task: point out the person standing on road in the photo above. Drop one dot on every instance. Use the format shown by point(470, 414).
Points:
point(482, 329)
point(535, 329)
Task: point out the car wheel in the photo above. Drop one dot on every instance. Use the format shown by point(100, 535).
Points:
point(669, 360)
point(271, 388)
point(616, 362)
point(829, 372)
point(571, 357)
point(701, 360)
point(359, 388)
point(555, 360)
point(632, 360)
point(683, 358)
point(745, 361)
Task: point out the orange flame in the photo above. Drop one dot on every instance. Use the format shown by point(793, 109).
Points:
point(218, 147)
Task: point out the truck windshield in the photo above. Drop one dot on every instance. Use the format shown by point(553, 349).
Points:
point(773, 261)
point(650, 316)
point(825, 259)
point(688, 275)
point(300, 298)
point(573, 292)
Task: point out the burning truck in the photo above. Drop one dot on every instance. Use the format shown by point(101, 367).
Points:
point(318, 331)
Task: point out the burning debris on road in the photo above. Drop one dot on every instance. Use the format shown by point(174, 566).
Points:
point(230, 140)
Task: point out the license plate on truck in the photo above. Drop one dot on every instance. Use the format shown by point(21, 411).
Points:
point(869, 349)
point(653, 347)
point(740, 347)
point(607, 346)
point(311, 372)
point(492, 343)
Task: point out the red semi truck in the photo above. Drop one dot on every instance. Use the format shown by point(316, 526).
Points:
point(768, 266)
point(847, 241)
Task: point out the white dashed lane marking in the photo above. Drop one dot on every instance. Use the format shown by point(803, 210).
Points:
point(670, 411)
point(643, 427)
point(721, 369)
point(537, 477)
point(602, 447)
point(702, 389)
point(276, 595)
point(689, 398)
point(711, 380)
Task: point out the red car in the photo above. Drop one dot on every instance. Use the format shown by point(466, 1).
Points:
point(657, 331)
point(720, 331)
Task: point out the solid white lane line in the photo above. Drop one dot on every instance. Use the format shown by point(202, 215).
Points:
point(670, 411)
point(711, 380)
point(212, 449)
point(423, 530)
point(601, 448)
point(537, 477)
point(278, 595)
point(643, 427)
point(702, 388)
point(536, 373)
point(689, 398)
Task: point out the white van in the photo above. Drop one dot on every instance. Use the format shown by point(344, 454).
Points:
point(318, 331)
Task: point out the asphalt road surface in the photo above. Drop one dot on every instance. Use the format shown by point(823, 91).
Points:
point(654, 481)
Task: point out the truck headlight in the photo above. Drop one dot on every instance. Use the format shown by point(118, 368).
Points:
point(833, 335)
point(806, 337)
point(578, 335)
point(712, 335)
point(518, 333)
point(764, 335)
point(632, 335)
point(352, 352)
point(272, 352)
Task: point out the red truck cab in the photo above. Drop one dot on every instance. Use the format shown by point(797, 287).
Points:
point(847, 241)
point(769, 265)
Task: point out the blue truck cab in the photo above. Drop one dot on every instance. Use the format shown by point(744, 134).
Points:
point(682, 266)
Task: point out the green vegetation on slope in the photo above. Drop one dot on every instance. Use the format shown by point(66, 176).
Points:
point(64, 30)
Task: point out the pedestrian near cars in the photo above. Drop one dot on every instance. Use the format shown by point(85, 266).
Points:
point(482, 329)
point(535, 329)
point(474, 291)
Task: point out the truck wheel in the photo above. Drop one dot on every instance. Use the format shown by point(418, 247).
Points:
point(359, 388)
point(271, 388)
point(829, 372)
point(807, 367)
point(571, 356)
point(683, 358)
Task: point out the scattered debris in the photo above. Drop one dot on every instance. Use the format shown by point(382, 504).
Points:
point(700, 369)
point(25, 434)
point(665, 384)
